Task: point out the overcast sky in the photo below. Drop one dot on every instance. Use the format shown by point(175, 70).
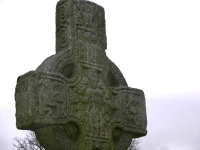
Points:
point(155, 43)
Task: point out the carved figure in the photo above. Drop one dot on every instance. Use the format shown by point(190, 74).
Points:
point(78, 99)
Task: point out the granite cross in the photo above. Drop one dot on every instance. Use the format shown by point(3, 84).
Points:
point(78, 99)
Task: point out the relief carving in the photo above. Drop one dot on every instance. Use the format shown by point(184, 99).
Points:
point(78, 99)
point(51, 99)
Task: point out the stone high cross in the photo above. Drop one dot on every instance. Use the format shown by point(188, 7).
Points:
point(78, 99)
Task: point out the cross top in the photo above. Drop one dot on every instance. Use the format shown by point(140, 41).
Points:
point(78, 98)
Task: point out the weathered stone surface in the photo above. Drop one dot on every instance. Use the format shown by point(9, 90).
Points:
point(78, 99)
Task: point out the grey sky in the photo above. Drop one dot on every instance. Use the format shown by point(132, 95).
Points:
point(173, 122)
point(154, 43)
